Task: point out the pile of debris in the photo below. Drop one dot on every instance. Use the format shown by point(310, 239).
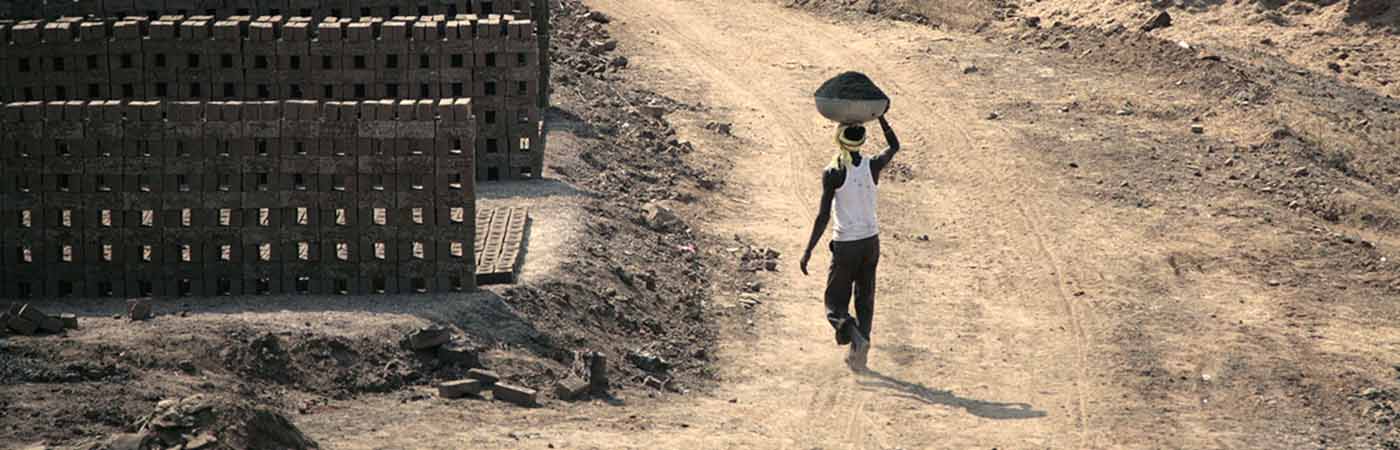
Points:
point(441, 343)
point(759, 259)
point(28, 320)
point(209, 422)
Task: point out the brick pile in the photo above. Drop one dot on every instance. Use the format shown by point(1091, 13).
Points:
point(493, 59)
point(26, 319)
point(193, 198)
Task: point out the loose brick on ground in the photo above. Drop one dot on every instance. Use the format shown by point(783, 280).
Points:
point(22, 326)
point(70, 321)
point(570, 389)
point(486, 376)
point(138, 309)
point(458, 354)
point(51, 324)
point(522, 396)
point(460, 388)
point(32, 314)
point(429, 338)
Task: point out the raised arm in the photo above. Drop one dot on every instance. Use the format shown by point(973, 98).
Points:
point(831, 180)
point(883, 159)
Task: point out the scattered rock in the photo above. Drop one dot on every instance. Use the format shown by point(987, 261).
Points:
point(759, 259)
point(205, 440)
point(599, 16)
point(1161, 20)
point(619, 62)
point(659, 217)
point(1125, 112)
point(970, 69)
point(653, 110)
point(724, 128)
point(648, 362)
point(1198, 128)
point(1299, 172)
point(1334, 66)
point(656, 383)
point(993, 115)
point(126, 441)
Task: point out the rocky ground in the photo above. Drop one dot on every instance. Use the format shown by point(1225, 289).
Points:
point(1253, 109)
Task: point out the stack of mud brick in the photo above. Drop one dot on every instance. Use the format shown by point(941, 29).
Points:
point(48, 9)
point(195, 198)
point(494, 60)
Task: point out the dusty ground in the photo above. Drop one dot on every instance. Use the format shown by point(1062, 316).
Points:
point(1092, 280)
point(1095, 274)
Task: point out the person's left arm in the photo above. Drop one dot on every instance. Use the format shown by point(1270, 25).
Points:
point(878, 163)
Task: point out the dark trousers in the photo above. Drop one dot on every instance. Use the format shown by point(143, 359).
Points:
point(852, 268)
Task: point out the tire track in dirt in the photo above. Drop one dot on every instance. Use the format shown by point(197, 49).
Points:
point(1056, 267)
point(1033, 229)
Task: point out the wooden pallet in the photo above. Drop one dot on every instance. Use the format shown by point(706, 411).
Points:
point(500, 236)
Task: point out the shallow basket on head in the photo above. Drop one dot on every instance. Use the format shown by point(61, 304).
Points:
point(851, 98)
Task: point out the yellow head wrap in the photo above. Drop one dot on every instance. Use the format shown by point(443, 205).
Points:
point(843, 158)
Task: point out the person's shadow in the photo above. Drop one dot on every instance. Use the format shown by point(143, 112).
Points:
point(979, 408)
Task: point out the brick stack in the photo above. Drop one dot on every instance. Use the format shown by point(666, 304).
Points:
point(39, 9)
point(177, 198)
point(495, 60)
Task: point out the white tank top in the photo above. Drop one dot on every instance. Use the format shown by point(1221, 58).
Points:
point(855, 205)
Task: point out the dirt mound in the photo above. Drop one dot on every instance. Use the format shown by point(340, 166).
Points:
point(211, 422)
point(42, 365)
point(616, 295)
point(334, 366)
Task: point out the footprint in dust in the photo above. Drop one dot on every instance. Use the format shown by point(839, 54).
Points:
point(905, 354)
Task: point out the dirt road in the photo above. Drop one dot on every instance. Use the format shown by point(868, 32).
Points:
point(980, 339)
point(1038, 311)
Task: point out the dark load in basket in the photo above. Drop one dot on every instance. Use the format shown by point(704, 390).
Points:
point(851, 98)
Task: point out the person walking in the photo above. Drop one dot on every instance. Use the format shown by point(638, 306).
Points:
point(850, 185)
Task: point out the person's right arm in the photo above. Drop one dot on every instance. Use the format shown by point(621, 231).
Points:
point(831, 180)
